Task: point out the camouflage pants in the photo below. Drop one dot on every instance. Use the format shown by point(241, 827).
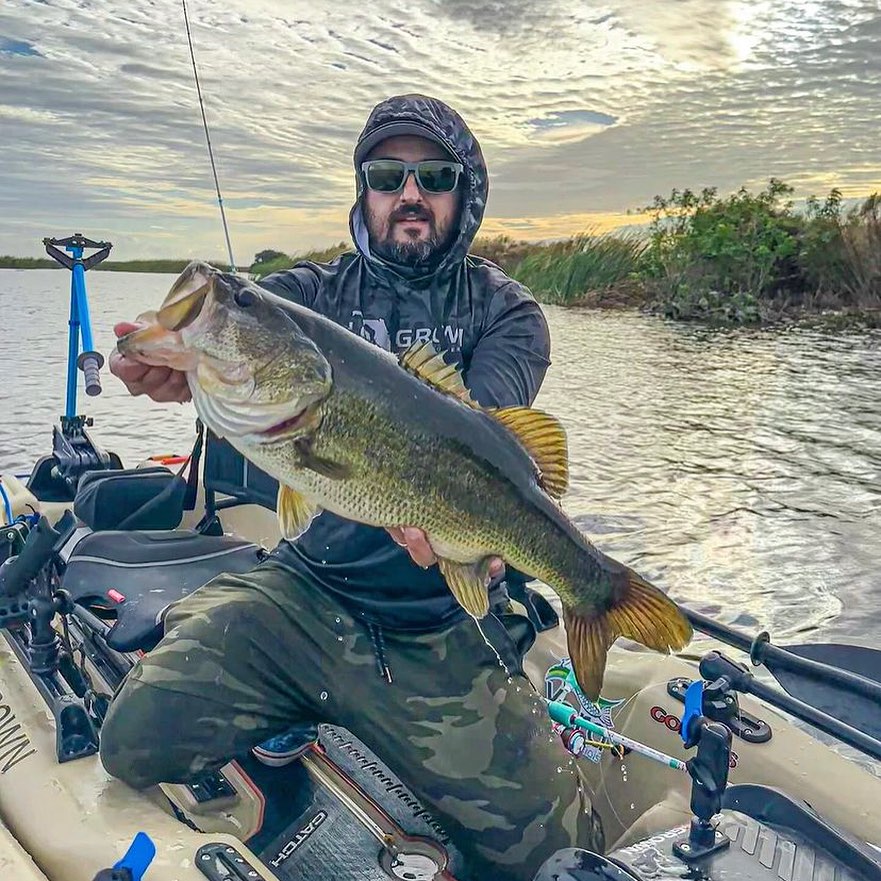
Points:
point(246, 657)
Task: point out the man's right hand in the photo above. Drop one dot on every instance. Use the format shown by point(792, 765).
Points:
point(162, 384)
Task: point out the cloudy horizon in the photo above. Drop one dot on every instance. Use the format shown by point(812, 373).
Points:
point(584, 114)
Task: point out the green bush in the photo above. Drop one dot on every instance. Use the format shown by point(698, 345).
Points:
point(718, 258)
point(841, 251)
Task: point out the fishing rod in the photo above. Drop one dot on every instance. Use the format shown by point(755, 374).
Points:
point(232, 262)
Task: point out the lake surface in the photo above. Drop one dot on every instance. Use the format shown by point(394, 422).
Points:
point(739, 469)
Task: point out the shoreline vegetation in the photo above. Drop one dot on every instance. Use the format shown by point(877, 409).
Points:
point(746, 258)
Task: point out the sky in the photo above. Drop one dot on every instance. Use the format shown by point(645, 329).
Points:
point(584, 110)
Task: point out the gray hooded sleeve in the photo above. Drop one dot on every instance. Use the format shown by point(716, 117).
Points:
point(512, 354)
point(299, 285)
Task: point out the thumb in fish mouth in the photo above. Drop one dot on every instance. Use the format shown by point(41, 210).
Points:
point(154, 345)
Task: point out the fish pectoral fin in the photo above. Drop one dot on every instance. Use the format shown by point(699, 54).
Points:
point(468, 582)
point(642, 613)
point(544, 439)
point(295, 512)
point(320, 464)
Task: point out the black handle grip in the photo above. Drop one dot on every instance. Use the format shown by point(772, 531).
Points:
point(90, 363)
point(37, 551)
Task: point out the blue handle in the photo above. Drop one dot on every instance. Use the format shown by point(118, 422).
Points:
point(138, 857)
point(694, 703)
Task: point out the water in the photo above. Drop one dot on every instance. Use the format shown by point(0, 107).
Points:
point(740, 469)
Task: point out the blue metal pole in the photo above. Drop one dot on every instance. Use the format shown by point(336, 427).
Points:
point(73, 339)
point(79, 282)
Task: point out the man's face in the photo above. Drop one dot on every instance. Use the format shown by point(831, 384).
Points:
point(410, 226)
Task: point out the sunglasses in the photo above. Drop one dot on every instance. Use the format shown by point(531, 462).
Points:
point(432, 175)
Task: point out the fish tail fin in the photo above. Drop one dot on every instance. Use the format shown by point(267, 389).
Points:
point(640, 612)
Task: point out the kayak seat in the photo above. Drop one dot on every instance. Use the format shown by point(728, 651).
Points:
point(131, 577)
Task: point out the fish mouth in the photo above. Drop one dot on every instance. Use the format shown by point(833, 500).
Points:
point(182, 312)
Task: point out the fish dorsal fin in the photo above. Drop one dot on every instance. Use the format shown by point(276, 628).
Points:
point(422, 359)
point(545, 440)
point(542, 435)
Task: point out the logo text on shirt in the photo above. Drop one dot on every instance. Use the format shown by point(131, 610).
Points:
point(446, 338)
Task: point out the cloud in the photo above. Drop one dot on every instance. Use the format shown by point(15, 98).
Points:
point(582, 113)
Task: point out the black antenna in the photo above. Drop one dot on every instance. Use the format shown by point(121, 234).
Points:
point(232, 262)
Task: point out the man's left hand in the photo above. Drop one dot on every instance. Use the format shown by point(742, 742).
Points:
point(416, 543)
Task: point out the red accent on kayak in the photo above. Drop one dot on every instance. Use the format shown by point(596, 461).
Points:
point(116, 596)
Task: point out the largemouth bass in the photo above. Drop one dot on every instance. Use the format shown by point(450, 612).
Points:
point(347, 427)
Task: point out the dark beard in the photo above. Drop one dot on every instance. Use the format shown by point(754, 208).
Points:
point(414, 252)
point(411, 253)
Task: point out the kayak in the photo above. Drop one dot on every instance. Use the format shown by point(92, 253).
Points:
point(339, 811)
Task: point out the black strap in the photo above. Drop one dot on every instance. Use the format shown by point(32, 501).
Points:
point(176, 486)
point(193, 475)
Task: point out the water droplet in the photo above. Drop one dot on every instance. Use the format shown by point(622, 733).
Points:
point(339, 639)
point(511, 682)
point(339, 620)
point(632, 807)
point(518, 689)
point(559, 770)
point(323, 695)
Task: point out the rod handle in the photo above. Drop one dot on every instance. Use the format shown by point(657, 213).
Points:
point(90, 363)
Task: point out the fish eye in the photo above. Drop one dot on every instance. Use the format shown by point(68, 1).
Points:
point(245, 297)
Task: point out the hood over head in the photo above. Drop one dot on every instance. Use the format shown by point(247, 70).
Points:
point(428, 118)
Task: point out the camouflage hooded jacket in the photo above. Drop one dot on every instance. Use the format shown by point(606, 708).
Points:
point(470, 309)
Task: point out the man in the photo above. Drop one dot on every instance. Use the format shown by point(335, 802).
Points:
point(343, 625)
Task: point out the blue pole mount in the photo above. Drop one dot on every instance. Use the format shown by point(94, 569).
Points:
point(73, 451)
point(80, 324)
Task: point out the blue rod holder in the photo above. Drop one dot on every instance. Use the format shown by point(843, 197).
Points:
point(79, 323)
